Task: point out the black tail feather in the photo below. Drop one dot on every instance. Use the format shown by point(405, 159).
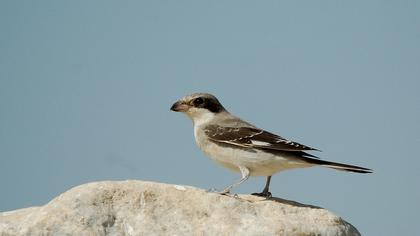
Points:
point(339, 166)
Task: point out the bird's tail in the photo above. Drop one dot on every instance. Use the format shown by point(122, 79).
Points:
point(339, 166)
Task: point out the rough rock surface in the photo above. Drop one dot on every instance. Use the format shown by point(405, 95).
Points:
point(146, 208)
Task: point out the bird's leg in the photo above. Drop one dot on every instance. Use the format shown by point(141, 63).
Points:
point(245, 175)
point(265, 192)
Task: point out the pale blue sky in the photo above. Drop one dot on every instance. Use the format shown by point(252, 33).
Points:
point(86, 86)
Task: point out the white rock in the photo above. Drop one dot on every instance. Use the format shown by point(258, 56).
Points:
point(146, 208)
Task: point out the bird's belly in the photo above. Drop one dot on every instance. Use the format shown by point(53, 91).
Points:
point(258, 162)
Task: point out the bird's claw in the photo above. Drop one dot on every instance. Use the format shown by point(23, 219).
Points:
point(263, 194)
point(225, 192)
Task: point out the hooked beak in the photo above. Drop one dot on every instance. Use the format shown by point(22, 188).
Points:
point(180, 106)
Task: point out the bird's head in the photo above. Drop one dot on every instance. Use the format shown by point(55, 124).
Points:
point(198, 106)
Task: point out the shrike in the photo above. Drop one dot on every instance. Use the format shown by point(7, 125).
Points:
point(242, 147)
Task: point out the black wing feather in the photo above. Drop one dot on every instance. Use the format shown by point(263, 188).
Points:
point(255, 138)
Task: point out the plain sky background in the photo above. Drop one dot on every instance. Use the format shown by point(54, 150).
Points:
point(86, 87)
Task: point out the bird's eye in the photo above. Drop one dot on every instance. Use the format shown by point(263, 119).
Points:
point(198, 101)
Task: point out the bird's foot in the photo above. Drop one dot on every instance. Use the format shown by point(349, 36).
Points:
point(229, 194)
point(225, 192)
point(263, 194)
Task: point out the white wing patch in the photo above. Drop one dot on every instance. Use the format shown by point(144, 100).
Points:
point(260, 143)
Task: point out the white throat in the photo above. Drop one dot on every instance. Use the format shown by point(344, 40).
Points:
point(200, 118)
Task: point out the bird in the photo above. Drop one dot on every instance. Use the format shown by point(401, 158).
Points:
point(243, 147)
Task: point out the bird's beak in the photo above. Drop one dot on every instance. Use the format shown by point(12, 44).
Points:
point(180, 106)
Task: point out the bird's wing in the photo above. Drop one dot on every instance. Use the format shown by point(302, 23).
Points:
point(250, 137)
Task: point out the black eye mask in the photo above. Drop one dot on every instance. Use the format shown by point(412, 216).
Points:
point(209, 104)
